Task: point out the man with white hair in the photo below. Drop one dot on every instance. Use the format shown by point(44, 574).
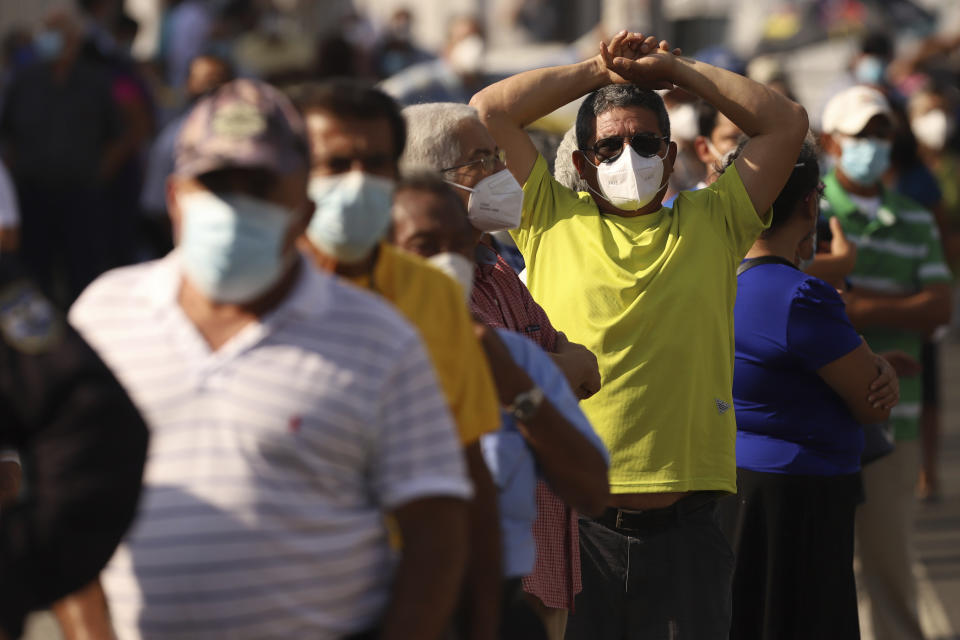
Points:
point(449, 138)
point(900, 293)
point(289, 413)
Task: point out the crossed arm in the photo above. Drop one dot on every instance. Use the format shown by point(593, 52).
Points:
point(775, 124)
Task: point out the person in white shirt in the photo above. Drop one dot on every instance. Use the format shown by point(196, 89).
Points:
point(290, 414)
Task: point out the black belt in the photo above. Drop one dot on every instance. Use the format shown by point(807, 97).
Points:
point(650, 519)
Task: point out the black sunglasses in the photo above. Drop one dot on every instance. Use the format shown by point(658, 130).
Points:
point(645, 144)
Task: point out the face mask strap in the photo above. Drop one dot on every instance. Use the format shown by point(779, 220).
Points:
point(459, 186)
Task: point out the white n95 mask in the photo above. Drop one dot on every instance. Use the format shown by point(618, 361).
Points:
point(457, 267)
point(631, 181)
point(496, 202)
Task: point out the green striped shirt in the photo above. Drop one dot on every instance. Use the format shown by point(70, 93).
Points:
point(898, 252)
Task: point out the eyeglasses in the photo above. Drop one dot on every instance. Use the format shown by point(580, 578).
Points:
point(487, 163)
point(645, 144)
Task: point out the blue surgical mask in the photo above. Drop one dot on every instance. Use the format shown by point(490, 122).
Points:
point(231, 246)
point(48, 44)
point(352, 215)
point(870, 70)
point(865, 160)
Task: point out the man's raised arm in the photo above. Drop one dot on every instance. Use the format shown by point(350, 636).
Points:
point(512, 104)
point(776, 125)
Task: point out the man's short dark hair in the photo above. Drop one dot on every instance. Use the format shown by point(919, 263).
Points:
point(707, 118)
point(348, 98)
point(616, 96)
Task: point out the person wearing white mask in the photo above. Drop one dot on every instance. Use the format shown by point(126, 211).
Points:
point(451, 139)
point(901, 292)
point(289, 413)
point(431, 221)
point(650, 290)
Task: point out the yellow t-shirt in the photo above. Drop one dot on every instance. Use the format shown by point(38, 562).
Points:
point(433, 303)
point(652, 296)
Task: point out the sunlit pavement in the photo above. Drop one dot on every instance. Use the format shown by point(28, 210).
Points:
point(938, 525)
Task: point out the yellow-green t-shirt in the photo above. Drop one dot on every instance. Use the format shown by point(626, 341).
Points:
point(652, 296)
point(433, 303)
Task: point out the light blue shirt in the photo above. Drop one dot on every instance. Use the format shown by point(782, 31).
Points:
point(513, 464)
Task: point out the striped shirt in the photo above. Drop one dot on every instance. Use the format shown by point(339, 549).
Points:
point(899, 253)
point(272, 459)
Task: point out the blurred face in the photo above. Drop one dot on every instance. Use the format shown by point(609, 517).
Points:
point(339, 145)
point(288, 191)
point(426, 224)
point(206, 74)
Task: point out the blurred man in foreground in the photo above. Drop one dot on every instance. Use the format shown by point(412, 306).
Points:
point(83, 445)
point(289, 413)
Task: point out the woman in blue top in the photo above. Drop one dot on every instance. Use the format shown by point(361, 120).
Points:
point(801, 389)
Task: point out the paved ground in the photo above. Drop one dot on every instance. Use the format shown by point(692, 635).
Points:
point(938, 525)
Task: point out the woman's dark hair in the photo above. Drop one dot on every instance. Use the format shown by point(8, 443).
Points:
point(802, 182)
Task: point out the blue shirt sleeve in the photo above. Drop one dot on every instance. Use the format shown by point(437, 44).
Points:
point(551, 380)
point(818, 330)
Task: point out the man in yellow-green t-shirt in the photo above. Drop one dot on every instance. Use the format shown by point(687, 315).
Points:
point(650, 290)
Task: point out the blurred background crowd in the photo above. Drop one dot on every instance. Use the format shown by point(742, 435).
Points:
point(94, 93)
point(88, 138)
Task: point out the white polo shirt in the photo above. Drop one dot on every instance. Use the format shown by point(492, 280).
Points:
point(271, 461)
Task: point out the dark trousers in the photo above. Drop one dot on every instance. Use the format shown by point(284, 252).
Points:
point(793, 537)
point(660, 574)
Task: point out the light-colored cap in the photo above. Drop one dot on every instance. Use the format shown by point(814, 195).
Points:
point(243, 124)
point(849, 111)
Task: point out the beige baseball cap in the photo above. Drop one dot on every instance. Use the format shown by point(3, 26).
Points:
point(849, 111)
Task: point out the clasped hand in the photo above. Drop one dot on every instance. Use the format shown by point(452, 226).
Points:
point(640, 60)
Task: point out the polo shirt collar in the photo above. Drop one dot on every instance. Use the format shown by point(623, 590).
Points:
point(309, 297)
point(844, 207)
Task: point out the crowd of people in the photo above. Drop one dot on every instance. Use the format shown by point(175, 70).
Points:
point(409, 369)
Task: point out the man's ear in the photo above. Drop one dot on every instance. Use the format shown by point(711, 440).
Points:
point(703, 151)
point(579, 163)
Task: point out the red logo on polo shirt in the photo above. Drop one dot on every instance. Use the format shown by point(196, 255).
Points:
point(294, 424)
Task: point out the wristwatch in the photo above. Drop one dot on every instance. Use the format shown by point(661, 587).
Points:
point(526, 404)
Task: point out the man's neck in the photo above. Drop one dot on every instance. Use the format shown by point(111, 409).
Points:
point(329, 264)
point(606, 207)
point(857, 189)
point(218, 322)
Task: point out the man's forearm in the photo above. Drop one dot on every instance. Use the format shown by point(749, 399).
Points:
point(574, 468)
point(528, 96)
point(481, 592)
point(922, 312)
point(430, 574)
point(755, 108)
